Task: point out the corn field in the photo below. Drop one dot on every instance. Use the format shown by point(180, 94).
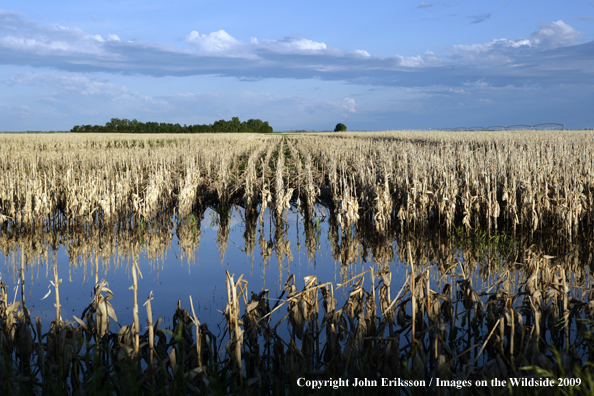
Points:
point(494, 231)
point(535, 181)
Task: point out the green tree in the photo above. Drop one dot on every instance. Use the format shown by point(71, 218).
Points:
point(340, 127)
point(265, 128)
point(125, 125)
point(234, 124)
point(254, 125)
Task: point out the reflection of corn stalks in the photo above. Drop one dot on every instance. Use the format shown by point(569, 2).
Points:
point(347, 252)
point(462, 332)
point(266, 248)
point(251, 227)
point(188, 235)
point(282, 244)
point(222, 238)
point(312, 233)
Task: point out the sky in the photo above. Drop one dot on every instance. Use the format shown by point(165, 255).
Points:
point(307, 65)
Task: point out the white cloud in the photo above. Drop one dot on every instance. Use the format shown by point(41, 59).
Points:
point(33, 45)
point(410, 61)
point(290, 45)
point(213, 42)
point(348, 105)
point(222, 42)
point(555, 34)
point(494, 44)
point(549, 36)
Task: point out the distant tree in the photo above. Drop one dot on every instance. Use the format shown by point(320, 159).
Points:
point(340, 127)
point(234, 125)
point(265, 128)
point(125, 125)
point(254, 125)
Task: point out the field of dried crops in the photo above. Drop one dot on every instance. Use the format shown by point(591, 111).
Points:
point(537, 181)
point(90, 193)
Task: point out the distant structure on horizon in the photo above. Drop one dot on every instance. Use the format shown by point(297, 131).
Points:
point(539, 127)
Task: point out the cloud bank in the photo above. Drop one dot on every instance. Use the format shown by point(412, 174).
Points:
point(550, 55)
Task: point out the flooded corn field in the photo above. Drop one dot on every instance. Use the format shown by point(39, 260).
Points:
point(415, 262)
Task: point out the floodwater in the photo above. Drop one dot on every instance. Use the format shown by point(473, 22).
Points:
point(175, 274)
point(265, 252)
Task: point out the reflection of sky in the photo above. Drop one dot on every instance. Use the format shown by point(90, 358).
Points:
point(202, 277)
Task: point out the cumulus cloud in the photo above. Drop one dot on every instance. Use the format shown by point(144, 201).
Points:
point(425, 5)
point(213, 42)
point(555, 34)
point(223, 43)
point(410, 61)
point(519, 51)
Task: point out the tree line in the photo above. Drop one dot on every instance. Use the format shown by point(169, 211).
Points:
point(134, 126)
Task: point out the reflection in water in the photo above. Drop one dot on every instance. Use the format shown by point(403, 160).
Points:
point(188, 235)
point(222, 225)
point(405, 304)
point(95, 249)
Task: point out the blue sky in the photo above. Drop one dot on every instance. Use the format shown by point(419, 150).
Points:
point(372, 65)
